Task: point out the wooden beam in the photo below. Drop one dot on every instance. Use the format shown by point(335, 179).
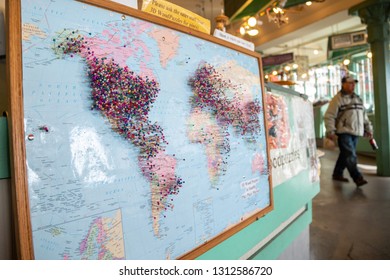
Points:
point(19, 187)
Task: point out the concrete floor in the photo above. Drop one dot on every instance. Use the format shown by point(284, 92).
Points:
point(350, 223)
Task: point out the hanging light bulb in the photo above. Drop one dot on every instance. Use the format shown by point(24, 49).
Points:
point(308, 3)
point(315, 52)
point(242, 31)
point(252, 21)
point(249, 27)
point(278, 10)
point(369, 54)
point(295, 66)
point(346, 62)
point(253, 32)
point(274, 72)
point(287, 68)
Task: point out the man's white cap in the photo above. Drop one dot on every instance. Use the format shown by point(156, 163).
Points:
point(348, 79)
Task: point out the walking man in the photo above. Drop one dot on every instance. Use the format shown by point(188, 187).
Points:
point(345, 121)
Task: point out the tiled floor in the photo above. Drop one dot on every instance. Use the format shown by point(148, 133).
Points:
point(349, 222)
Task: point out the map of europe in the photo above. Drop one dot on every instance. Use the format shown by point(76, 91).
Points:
point(139, 138)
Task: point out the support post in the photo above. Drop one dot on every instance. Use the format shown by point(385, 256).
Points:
point(376, 14)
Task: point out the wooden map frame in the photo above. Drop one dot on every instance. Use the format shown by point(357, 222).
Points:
point(20, 198)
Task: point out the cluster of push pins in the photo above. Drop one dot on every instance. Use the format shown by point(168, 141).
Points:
point(211, 91)
point(126, 99)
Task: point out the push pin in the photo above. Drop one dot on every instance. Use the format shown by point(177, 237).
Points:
point(44, 128)
point(30, 137)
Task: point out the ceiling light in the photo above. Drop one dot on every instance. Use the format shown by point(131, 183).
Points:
point(252, 21)
point(308, 3)
point(287, 68)
point(277, 15)
point(295, 66)
point(250, 27)
point(369, 54)
point(346, 61)
point(315, 52)
point(304, 76)
point(274, 72)
point(278, 10)
point(253, 32)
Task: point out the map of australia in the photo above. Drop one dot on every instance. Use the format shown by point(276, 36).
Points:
point(140, 136)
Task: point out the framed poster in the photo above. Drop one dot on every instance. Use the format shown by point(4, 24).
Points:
point(291, 137)
point(133, 137)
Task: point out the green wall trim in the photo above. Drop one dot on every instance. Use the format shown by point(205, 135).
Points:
point(363, 145)
point(4, 150)
point(283, 240)
point(319, 125)
point(289, 197)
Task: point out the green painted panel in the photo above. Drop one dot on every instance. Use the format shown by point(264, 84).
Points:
point(363, 145)
point(4, 151)
point(284, 239)
point(289, 197)
point(319, 126)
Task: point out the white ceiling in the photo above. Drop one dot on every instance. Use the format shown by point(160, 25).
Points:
point(312, 37)
point(308, 28)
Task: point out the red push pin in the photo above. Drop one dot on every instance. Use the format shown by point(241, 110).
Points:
point(44, 128)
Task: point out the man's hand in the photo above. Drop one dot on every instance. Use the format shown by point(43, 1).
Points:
point(331, 136)
point(368, 135)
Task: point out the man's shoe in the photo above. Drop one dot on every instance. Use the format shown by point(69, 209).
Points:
point(360, 182)
point(340, 178)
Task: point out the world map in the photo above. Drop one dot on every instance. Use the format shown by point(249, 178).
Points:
point(139, 137)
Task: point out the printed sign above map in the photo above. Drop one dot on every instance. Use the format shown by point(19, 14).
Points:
point(177, 14)
point(234, 39)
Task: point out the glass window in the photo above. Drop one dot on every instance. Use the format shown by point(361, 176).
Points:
point(325, 81)
point(365, 88)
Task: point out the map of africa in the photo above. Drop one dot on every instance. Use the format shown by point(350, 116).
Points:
point(139, 138)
